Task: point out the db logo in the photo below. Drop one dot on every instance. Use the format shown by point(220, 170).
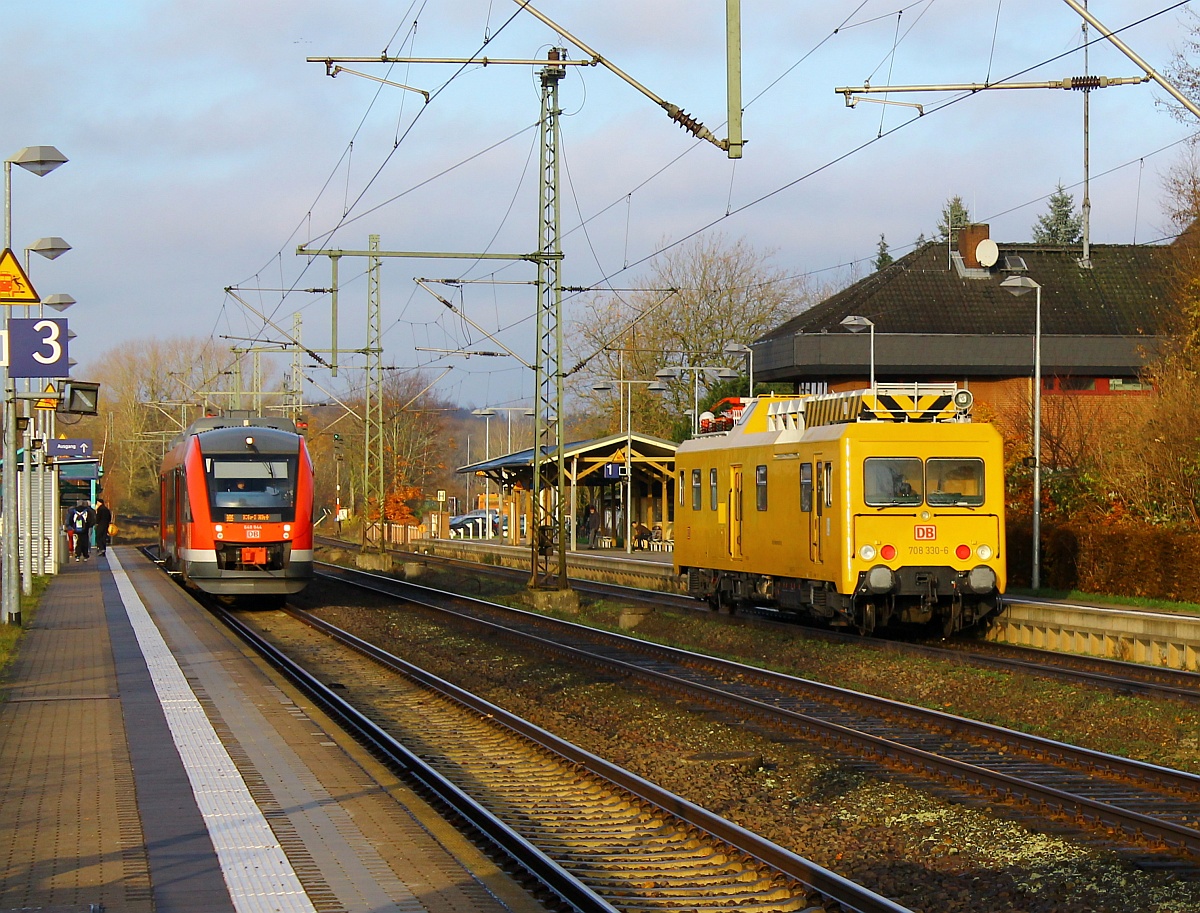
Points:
point(924, 533)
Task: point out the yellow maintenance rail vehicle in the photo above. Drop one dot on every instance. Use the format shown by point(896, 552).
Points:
point(863, 510)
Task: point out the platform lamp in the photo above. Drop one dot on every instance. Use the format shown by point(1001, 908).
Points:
point(856, 324)
point(32, 479)
point(709, 371)
point(486, 414)
point(40, 160)
point(1020, 285)
point(57, 302)
point(737, 348)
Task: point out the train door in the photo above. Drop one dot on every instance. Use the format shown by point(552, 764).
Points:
point(735, 511)
point(816, 517)
point(180, 526)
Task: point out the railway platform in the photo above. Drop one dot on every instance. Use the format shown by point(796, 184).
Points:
point(651, 569)
point(149, 762)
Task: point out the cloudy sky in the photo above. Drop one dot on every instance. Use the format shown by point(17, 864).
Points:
point(204, 149)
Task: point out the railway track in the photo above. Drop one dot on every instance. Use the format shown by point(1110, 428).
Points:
point(1098, 792)
point(600, 837)
point(1120, 677)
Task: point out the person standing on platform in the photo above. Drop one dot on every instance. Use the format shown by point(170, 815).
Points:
point(82, 521)
point(103, 521)
point(592, 525)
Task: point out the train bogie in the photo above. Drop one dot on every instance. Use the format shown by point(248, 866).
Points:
point(859, 510)
point(236, 503)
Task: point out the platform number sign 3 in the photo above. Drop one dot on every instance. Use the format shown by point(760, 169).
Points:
point(37, 347)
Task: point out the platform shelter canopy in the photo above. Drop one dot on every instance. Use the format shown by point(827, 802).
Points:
point(651, 459)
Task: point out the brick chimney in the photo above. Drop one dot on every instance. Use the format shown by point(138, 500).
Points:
point(969, 237)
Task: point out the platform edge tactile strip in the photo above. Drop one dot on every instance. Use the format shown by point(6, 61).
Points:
point(255, 868)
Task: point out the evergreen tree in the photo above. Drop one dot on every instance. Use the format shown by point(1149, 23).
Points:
point(1061, 224)
point(921, 239)
point(882, 257)
point(954, 217)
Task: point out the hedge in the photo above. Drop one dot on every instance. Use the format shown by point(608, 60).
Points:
point(1118, 560)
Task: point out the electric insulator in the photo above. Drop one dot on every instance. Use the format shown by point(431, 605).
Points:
point(1080, 83)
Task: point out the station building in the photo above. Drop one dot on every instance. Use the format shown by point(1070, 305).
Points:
point(941, 315)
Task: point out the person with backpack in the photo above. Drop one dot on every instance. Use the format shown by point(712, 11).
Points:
point(82, 521)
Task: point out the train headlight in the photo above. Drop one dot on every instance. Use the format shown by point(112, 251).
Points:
point(867, 553)
point(287, 527)
point(218, 527)
point(981, 579)
point(984, 552)
point(880, 579)
point(963, 552)
point(888, 552)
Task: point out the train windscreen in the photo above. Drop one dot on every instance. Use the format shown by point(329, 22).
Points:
point(909, 481)
point(263, 485)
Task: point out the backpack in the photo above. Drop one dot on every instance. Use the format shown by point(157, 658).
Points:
point(79, 519)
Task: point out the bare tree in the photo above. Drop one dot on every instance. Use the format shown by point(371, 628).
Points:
point(147, 396)
point(699, 298)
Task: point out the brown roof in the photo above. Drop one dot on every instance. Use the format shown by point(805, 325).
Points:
point(962, 321)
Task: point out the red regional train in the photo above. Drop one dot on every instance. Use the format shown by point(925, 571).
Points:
point(236, 508)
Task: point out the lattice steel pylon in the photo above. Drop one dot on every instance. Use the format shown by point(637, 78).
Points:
point(549, 537)
point(374, 491)
point(295, 387)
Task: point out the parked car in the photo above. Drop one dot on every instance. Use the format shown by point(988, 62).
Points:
point(471, 524)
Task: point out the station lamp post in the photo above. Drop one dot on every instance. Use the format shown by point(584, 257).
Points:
point(737, 348)
point(33, 479)
point(606, 386)
point(1020, 285)
point(856, 324)
point(676, 373)
point(486, 414)
point(40, 160)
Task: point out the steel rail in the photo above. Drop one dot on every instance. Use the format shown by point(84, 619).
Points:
point(1000, 784)
point(537, 864)
point(828, 884)
point(1093, 670)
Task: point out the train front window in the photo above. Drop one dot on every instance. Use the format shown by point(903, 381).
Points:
point(893, 482)
point(954, 481)
point(256, 485)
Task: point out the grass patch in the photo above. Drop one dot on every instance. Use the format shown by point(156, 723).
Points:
point(10, 635)
point(1138, 602)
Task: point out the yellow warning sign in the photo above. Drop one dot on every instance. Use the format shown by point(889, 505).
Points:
point(15, 287)
point(49, 402)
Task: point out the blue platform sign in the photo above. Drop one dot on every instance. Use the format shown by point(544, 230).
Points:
point(37, 347)
point(69, 447)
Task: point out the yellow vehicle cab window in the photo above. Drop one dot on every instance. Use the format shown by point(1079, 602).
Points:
point(954, 481)
point(893, 481)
